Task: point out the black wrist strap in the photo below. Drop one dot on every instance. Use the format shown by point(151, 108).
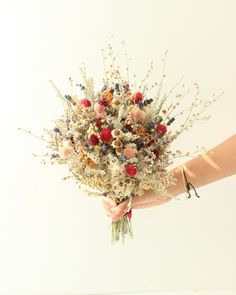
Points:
point(188, 185)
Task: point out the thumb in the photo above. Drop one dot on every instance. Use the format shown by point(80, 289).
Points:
point(119, 211)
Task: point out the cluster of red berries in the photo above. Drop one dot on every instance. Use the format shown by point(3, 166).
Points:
point(105, 136)
point(161, 129)
point(131, 170)
point(138, 96)
point(103, 102)
point(93, 139)
point(85, 102)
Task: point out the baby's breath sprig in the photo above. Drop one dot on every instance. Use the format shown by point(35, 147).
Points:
point(163, 76)
point(41, 137)
point(196, 116)
point(58, 92)
point(142, 87)
point(88, 86)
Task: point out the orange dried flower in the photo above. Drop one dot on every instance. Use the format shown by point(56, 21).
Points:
point(137, 115)
point(142, 131)
point(129, 152)
point(66, 151)
point(91, 163)
point(107, 94)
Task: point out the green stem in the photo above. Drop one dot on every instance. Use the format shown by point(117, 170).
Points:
point(120, 229)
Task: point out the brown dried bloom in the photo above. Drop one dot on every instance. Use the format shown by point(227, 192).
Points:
point(107, 95)
point(116, 132)
point(116, 143)
point(142, 131)
point(66, 151)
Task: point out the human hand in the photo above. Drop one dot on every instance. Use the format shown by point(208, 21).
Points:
point(148, 199)
point(113, 210)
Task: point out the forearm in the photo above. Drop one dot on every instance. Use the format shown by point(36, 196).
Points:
point(216, 164)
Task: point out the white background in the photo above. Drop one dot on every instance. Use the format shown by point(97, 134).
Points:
point(54, 240)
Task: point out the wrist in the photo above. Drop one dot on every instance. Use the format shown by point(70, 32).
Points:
point(148, 199)
point(178, 188)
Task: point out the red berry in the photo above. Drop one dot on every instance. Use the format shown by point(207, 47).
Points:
point(105, 135)
point(93, 139)
point(131, 170)
point(85, 102)
point(132, 100)
point(152, 141)
point(138, 96)
point(103, 102)
point(160, 128)
point(156, 153)
point(128, 127)
point(98, 122)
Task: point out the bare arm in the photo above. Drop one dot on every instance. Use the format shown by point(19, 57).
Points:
point(216, 164)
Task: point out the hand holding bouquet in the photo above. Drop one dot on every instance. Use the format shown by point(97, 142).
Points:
point(116, 141)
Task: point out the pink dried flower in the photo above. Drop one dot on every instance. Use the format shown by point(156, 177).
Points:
point(99, 110)
point(129, 152)
point(137, 115)
point(85, 102)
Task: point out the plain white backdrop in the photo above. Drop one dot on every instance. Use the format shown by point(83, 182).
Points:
point(54, 240)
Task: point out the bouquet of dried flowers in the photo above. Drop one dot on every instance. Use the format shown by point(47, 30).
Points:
point(116, 141)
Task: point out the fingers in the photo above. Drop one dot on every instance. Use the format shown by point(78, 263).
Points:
point(114, 211)
point(118, 211)
point(108, 204)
